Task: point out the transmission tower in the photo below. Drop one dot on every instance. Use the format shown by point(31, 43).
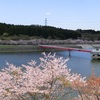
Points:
point(45, 21)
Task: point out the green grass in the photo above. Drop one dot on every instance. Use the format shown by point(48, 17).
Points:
point(18, 48)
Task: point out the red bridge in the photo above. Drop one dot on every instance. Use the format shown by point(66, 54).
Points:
point(63, 48)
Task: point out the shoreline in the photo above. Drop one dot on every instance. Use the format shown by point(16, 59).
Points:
point(18, 48)
point(33, 45)
point(34, 48)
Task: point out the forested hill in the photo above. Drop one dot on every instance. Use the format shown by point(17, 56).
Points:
point(89, 34)
point(48, 32)
point(10, 31)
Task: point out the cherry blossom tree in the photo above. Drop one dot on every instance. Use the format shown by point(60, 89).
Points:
point(50, 80)
point(90, 90)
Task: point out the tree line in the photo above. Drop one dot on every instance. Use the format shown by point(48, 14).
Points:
point(47, 32)
point(89, 34)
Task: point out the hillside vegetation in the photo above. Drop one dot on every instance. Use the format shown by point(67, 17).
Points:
point(89, 34)
point(9, 31)
point(26, 32)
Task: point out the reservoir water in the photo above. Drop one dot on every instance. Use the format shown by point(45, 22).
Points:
point(79, 62)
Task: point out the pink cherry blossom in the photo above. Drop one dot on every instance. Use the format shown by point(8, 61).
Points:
point(50, 78)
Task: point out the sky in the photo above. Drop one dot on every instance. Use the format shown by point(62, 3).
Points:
point(66, 14)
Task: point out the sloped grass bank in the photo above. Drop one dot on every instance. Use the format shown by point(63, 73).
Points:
point(19, 48)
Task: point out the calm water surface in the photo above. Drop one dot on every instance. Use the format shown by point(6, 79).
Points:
point(79, 62)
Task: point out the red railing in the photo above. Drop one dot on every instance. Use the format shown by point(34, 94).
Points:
point(63, 48)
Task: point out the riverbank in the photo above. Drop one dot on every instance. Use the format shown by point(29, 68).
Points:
point(34, 48)
point(19, 48)
point(29, 48)
point(33, 45)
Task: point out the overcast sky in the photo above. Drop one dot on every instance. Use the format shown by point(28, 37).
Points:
point(67, 14)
